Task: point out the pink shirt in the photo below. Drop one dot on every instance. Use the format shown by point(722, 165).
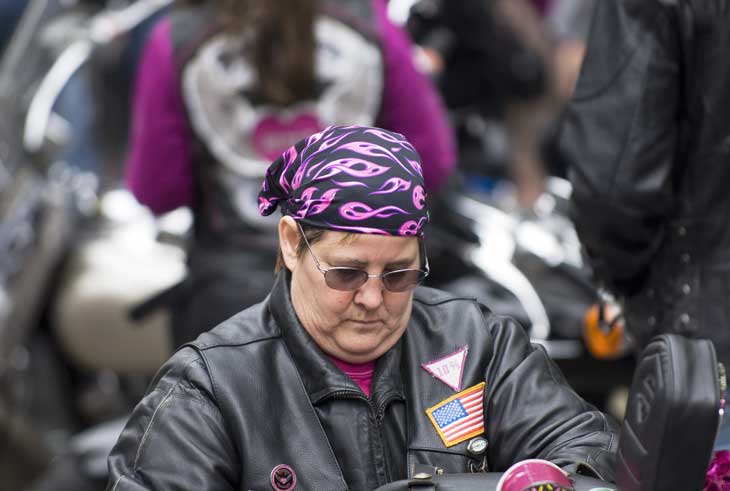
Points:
point(361, 373)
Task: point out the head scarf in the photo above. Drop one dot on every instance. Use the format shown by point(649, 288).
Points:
point(352, 179)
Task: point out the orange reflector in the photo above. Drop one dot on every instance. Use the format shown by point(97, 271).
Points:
point(604, 339)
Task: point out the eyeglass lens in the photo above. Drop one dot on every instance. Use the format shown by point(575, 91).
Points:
point(352, 278)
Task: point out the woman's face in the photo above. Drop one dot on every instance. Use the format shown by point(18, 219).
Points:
point(355, 326)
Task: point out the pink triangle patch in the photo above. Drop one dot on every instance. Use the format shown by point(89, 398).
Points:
point(449, 369)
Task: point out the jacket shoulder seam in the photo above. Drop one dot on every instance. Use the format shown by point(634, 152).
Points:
point(441, 301)
point(143, 440)
point(231, 344)
point(149, 427)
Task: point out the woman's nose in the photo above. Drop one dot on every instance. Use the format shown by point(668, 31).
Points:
point(370, 295)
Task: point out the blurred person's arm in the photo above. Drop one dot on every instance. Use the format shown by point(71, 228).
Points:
point(159, 169)
point(620, 136)
point(412, 106)
point(568, 22)
point(527, 118)
point(524, 20)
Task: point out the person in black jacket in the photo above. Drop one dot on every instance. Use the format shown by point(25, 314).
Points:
point(348, 376)
point(484, 63)
point(492, 62)
point(648, 135)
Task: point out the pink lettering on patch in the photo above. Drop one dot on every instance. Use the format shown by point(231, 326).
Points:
point(449, 369)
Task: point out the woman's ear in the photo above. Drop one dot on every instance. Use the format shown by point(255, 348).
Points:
point(289, 241)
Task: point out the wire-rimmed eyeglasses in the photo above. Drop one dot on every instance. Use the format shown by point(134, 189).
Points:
point(345, 278)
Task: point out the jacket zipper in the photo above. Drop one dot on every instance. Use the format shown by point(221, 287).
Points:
point(722, 381)
point(375, 420)
point(379, 418)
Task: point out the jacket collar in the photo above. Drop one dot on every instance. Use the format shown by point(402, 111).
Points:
point(321, 377)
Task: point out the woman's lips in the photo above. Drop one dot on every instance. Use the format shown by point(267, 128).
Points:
point(367, 323)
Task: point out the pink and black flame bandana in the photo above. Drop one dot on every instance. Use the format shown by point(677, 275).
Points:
point(349, 178)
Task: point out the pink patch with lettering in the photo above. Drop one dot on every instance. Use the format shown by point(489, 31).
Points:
point(449, 369)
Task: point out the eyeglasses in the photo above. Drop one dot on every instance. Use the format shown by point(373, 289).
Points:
point(345, 278)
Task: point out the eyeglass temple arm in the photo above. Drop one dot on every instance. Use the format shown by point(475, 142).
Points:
point(427, 268)
point(309, 248)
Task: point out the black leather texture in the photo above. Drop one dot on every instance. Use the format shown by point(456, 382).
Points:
point(672, 416)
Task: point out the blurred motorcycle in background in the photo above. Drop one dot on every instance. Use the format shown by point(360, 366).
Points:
point(50, 214)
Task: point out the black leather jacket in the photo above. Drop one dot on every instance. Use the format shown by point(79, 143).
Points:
point(648, 139)
point(257, 392)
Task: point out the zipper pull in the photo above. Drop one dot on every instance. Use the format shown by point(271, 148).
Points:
point(722, 375)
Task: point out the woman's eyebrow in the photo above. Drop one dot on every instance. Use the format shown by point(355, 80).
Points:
point(359, 263)
point(349, 261)
point(403, 263)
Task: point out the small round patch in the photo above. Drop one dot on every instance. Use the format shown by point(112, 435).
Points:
point(283, 478)
point(477, 446)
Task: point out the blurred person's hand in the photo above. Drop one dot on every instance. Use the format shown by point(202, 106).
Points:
point(525, 20)
point(568, 60)
point(429, 61)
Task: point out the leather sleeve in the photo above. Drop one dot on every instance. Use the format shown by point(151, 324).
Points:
point(705, 45)
point(175, 438)
point(532, 412)
point(620, 137)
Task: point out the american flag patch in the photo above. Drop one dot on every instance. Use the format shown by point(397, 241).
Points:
point(459, 417)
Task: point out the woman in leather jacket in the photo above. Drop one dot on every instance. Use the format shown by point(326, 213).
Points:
point(647, 135)
point(349, 376)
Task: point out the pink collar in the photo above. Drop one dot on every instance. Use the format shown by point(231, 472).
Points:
point(361, 373)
